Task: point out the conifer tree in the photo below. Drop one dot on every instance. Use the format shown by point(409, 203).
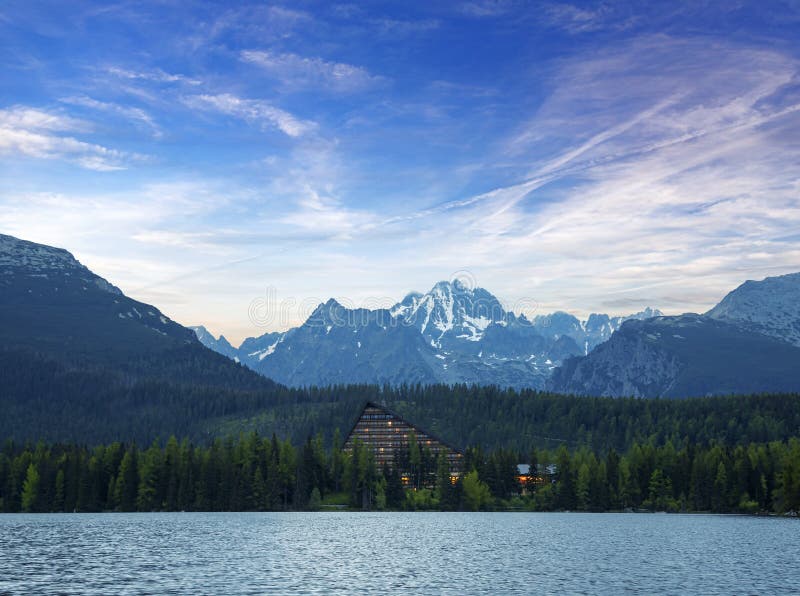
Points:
point(30, 489)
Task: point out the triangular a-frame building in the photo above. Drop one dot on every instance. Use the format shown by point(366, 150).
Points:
point(388, 434)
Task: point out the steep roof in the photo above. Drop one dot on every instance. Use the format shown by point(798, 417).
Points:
point(372, 404)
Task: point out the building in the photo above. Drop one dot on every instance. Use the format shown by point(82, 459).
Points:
point(388, 435)
point(530, 479)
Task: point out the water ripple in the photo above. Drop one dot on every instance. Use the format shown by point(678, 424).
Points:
point(379, 553)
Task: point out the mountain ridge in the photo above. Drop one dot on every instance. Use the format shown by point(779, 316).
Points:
point(53, 306)
point(451, 334)
point(749, 342)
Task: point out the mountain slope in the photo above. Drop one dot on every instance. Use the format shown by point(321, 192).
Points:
point(220, 346)
point(53, 306)
point(53, 303)
point(770, 307)
point(683, 356)
point(749, 342)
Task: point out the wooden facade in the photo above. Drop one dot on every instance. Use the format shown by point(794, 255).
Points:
point(387, 434)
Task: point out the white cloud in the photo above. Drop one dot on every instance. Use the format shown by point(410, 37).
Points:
point(23, 117)
point(128, 112)
point(402, 28)
point(252, 110)
point(325, 216)
point(33, 133)
point(155, 75)
point(296, 71)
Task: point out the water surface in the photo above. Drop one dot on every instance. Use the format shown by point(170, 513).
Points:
point(374, 553)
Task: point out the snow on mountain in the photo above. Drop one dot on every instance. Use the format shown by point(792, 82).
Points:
point(588, 334)
point(770, 306)
point(451, 334)
point(450, 311)
point(34, 274)
point(748, 343)
point(22, 258)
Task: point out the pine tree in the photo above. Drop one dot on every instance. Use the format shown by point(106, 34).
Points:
point(476, 493)
point(127, 484)
point(30, 489)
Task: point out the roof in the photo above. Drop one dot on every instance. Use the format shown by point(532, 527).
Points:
point(372, 404)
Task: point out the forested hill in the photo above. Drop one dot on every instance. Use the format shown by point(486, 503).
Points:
point(46, 400)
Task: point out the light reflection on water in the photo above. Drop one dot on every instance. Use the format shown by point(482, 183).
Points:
point(427, 553)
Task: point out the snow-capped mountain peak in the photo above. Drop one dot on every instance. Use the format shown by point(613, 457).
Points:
point(453, 333)
point(770, 306)
point(450, 311)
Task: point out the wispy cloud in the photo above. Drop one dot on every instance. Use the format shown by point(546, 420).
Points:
point(487, 8)
point(254, 111)
point(401, 28)
point(676, 180)
point(155, 75)
point(135, 114)
point(298, 72)
point(583, 19)
point(39, 134)
point(326, 217)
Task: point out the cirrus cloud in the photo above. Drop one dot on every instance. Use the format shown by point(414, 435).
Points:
point(301, 72)
point(252, 110)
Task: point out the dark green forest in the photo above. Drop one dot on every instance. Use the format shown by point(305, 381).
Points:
point(721, 454)
point(56, 403)
point(261, 474)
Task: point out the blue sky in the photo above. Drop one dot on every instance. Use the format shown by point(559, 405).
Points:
point(591, 157)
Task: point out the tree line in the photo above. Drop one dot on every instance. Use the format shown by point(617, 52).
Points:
point(57, 403)
point(255, 473)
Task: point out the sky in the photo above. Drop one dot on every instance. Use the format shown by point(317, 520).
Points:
point(235, 164)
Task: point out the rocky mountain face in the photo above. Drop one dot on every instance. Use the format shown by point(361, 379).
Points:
point(451, 334)
point(748, 343)
point(221, 345)
point(586, 334)
point(770, 307)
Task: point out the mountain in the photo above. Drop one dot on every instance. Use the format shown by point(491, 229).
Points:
point(221, 345)
point(80, 359)
point(770, 306)
point(586, 334)
point(451, 334)
point(748, 343)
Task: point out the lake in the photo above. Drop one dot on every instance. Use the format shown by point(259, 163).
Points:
point(426, 553)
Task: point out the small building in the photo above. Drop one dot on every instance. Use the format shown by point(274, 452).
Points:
point(529, 479)
point(388, 435)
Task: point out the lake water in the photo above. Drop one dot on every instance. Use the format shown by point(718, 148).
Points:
point(427, 553)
